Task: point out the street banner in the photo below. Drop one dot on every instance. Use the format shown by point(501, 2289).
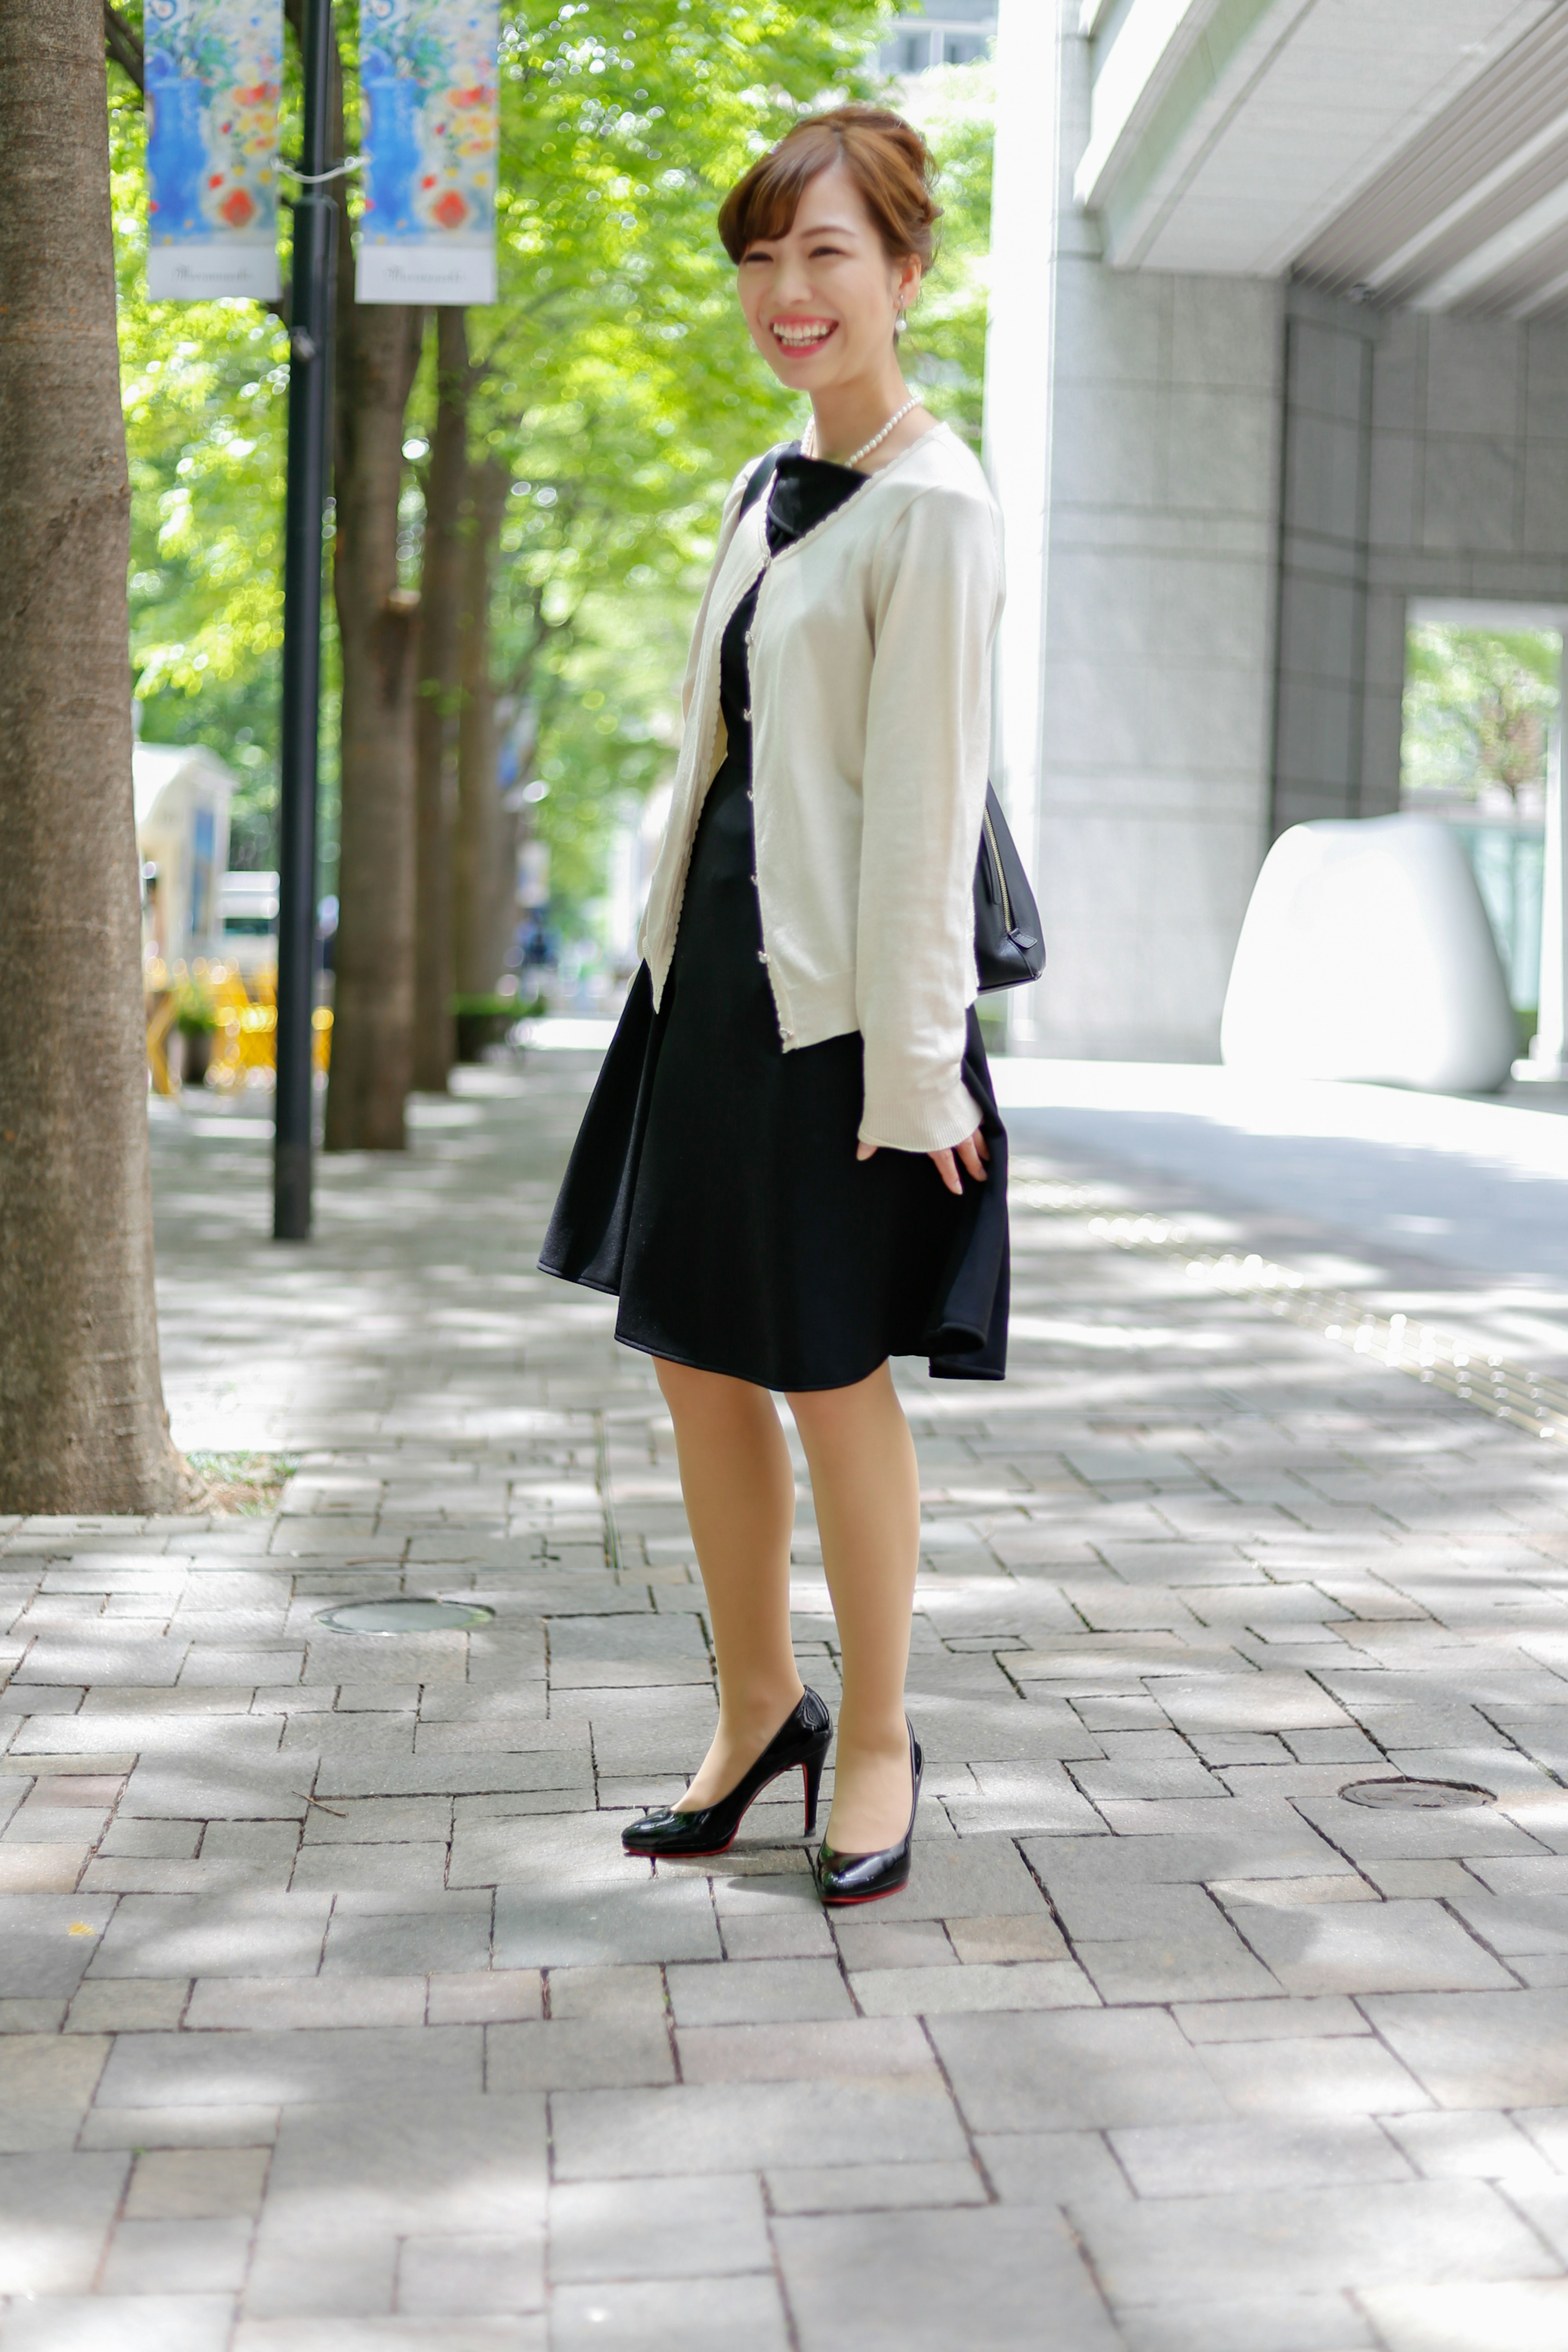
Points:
point(428, 88)
point(213, 71)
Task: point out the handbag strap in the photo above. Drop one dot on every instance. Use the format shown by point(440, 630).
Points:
point(761, 475)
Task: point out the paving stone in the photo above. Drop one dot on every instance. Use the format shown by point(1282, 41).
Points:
point(1253, 2323)
point(459, 2277)
point(1048, 2167)
point(1270, 2021)
point(485, 1997)
point(216, 2125)
point(602, 2230)
point(119, 2322)
point(1218, 2159)
point(349, 2182)
point(1339, 2076)
point(1517, 2315)
point(572, 2054)
point(1073, 2069)
point(127, 2005)
point(710, 2315)
point(629, 1995)
point(1396, 1946)
point(983, 1985)
point(395, 1943)
point(191, 2184)
point(393, 1870)
point(982, 2278)
point(181, 2257)
point(754, 1991)
point(836, 2189)
point(263, 2069)
point(1482, 2049)
point(1260, 2243)
point(237, 1934)
point(46, 2082)
point(32, 2016)
point(1035, 1938)
point(697, 2127)
point(669, 1919)
point(55, 2214)
point(801, 1932)
point(843, 2050)
point(903, 1943)
point(266, 2005)
point(1470, 2147)
point(47, 1941)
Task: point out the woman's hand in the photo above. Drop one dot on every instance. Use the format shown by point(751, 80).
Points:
point(972, 1152)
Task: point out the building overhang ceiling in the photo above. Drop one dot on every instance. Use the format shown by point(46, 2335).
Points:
point(1414, 151)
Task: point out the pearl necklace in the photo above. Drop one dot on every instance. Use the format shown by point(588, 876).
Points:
point(866, 448)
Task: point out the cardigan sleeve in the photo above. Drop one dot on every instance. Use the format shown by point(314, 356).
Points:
point(937, 591)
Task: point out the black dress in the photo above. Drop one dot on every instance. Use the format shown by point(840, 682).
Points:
point(714, 1183)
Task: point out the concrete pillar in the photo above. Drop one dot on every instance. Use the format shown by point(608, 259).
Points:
point(1324, 532)
point(1150, 695)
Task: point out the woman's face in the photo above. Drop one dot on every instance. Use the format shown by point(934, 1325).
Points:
point(821, 301)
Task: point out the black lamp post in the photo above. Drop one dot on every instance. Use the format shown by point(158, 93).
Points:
point(310, 378)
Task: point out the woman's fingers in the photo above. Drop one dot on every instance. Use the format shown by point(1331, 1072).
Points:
point(973, 1154)
point(946, 1167)
point(865, 1152)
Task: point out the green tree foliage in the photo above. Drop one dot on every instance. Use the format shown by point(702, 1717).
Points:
point(1477, 705)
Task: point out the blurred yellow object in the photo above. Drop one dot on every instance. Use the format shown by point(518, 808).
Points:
point(244, 1041)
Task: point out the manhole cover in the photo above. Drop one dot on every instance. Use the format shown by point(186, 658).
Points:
point(404, 1616)
point(1416, 1796)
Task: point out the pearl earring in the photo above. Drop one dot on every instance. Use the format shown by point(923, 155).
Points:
point(900, 323)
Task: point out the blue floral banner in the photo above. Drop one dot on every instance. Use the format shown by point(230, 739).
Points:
point(213, 68)
point(428, 86)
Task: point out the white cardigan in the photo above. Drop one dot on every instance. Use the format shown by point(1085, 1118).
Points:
point(870, 667)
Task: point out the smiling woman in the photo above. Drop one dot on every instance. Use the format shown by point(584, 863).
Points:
point(792, 1169)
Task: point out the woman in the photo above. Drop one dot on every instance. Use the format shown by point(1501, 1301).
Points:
point(792, 1169)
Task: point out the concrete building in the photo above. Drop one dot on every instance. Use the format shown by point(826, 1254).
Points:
point(1280, 345)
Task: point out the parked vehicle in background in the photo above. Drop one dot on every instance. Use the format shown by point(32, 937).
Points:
point(248, 932)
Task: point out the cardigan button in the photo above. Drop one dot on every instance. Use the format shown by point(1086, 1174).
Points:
point(761, 955)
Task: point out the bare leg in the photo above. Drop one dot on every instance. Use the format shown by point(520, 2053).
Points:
point(739, 1486)
point(866, 1481)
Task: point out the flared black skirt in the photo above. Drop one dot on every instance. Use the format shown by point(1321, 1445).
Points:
point(714, 1184)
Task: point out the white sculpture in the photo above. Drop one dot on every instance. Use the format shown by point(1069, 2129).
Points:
point(1366, 953)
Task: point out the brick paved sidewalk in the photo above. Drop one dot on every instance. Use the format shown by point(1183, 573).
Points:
point(332, 2019)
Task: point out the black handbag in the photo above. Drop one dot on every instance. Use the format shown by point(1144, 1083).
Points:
point(1008, 949)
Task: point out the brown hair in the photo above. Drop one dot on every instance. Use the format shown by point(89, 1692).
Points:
point(885, 156)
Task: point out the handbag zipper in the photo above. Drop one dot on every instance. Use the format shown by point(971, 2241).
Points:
point(1001, 877)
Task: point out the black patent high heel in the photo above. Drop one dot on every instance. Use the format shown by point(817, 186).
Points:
point(843, 1878)
point(802, 1739)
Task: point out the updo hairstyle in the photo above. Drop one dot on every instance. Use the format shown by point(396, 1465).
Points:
point(885, 156)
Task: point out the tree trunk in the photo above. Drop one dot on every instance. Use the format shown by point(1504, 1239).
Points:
point(484, 890)
point(82, 1426)
point(373, 1004)
point(435, 1044)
